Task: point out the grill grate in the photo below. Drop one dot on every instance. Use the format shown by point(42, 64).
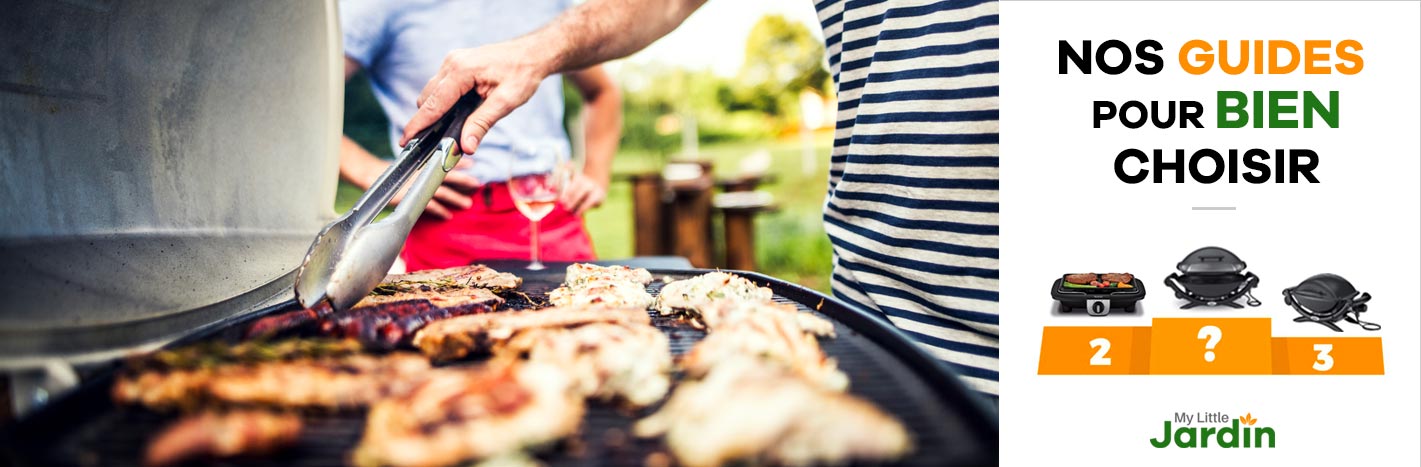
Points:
point(946, 430)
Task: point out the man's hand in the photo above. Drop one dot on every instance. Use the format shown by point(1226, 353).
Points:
point(583, 193)
point(507, 73)
point(503, 73)
point(452, 196)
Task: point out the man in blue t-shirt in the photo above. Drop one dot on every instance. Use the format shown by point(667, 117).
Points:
point(400, 45)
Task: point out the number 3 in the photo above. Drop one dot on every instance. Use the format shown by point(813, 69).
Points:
point(1103, 346)
point(1324, 361)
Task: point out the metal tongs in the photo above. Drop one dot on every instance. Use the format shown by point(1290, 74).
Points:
point(352, 254)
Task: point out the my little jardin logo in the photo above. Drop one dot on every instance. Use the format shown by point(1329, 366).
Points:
point(1182, 433)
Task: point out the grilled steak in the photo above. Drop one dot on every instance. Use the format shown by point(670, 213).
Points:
point(689, 295)
point(271, 378)
point(1082, 279)
point(746, 410)
point(627, 362)
point(459, 337)
point(435, 280)
point(210, 434)
point(1124, 277)
point(381, 321)
point(458, 415)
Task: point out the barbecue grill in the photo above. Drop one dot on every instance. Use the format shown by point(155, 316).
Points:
point(165, 167)
point(207, 165)
point(1213, 276)
point(949, 423)
point(1099, 301)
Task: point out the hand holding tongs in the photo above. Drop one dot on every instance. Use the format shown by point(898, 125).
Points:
point(351, 254)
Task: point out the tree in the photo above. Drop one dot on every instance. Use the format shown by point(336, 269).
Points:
point(782, 59)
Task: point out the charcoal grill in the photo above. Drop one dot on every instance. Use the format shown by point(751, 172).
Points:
point(950, 424)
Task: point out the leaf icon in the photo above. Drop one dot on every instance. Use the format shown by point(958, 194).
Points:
point(1248, 419)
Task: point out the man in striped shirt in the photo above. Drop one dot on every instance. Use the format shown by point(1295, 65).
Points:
point(912, 202)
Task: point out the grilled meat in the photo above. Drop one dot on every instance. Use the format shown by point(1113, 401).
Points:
point(1123, 277)
point(344, 381)
point(215, 353)
point(459, 415)
point(381, 321)
point(1082, 279)
point(774, 336)
point(628, 362)
point(210, 434)
point(583, 272)
point(744, 410)
point(295, 319)
point(613, 293)
point(727, 312)
point(387, 324)
point(459, 337)
point(689, 295)
point(438, 280)
point(442, 298)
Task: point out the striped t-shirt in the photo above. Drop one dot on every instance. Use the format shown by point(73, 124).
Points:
point(912, 202)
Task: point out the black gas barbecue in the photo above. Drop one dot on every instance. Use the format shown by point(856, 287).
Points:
point(950, 424)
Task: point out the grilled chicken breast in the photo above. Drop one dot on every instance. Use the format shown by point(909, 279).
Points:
point(459, 337)
point(774, 336)
point(612, 293)
point(458, 415)
point(583, 272)
point(744, 410)
point(449, 297)
point(210, 434)
point(477, 275)
point(689, 295)
point(626, 362)
point(724, 313)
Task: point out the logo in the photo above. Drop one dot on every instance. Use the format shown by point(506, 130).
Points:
point(1241, 432)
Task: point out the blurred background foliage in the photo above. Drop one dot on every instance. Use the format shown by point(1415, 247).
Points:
point(754, 113)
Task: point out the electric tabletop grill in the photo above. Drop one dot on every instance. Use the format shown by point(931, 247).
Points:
point(1213, 276)
point(1098, 301)
point(949, 423)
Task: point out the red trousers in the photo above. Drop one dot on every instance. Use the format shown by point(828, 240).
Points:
point(494, 229)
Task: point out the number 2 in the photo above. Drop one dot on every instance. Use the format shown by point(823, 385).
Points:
point(1102, 345)
point(1324, 360)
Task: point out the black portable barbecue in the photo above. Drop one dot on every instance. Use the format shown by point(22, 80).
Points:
point(950, 424)
point(1213, 276)
point(1326, 299)
point(1097, 301)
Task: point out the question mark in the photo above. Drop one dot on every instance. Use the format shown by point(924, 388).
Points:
point(1214, 334)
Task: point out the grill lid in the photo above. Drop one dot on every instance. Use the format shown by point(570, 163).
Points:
point(1212, 260)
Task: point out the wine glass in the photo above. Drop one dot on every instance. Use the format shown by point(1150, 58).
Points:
point(535, 181)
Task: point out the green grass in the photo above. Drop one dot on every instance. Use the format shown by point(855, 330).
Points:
point(789, 242)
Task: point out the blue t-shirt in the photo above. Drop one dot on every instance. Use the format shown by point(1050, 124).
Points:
point(402, 43)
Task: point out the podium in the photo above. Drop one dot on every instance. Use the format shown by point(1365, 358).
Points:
point(1203, 346)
